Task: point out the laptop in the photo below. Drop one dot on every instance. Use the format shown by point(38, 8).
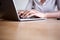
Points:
point(7, 7)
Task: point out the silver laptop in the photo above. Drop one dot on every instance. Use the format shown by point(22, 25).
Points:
point(10, 12)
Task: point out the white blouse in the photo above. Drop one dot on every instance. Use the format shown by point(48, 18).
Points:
point(48, 5)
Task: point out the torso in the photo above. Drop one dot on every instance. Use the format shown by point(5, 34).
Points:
point(47, 6)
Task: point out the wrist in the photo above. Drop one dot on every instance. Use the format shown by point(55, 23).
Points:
point(44, 15)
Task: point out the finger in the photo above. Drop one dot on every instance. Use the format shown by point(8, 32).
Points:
point(29, 13)
point(25, 13)
point(20, 12)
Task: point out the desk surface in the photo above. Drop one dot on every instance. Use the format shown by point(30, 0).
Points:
point(30, 30)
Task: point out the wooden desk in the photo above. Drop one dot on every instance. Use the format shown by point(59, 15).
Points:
point(33, 30)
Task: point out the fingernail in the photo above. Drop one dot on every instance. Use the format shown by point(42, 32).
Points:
point(21, 16)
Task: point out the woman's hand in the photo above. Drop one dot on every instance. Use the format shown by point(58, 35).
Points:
point(30, 13)
point(22, 13)
point(35, 13)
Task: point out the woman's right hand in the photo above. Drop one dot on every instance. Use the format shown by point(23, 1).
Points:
point(30, 13)
point(22, 12)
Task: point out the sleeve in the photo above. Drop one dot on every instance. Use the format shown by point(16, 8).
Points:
point(58, 4)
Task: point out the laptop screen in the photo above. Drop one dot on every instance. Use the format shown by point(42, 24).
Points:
point(20, 4)
point(7, 9)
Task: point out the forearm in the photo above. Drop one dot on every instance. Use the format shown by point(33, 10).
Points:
point(53, 15)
